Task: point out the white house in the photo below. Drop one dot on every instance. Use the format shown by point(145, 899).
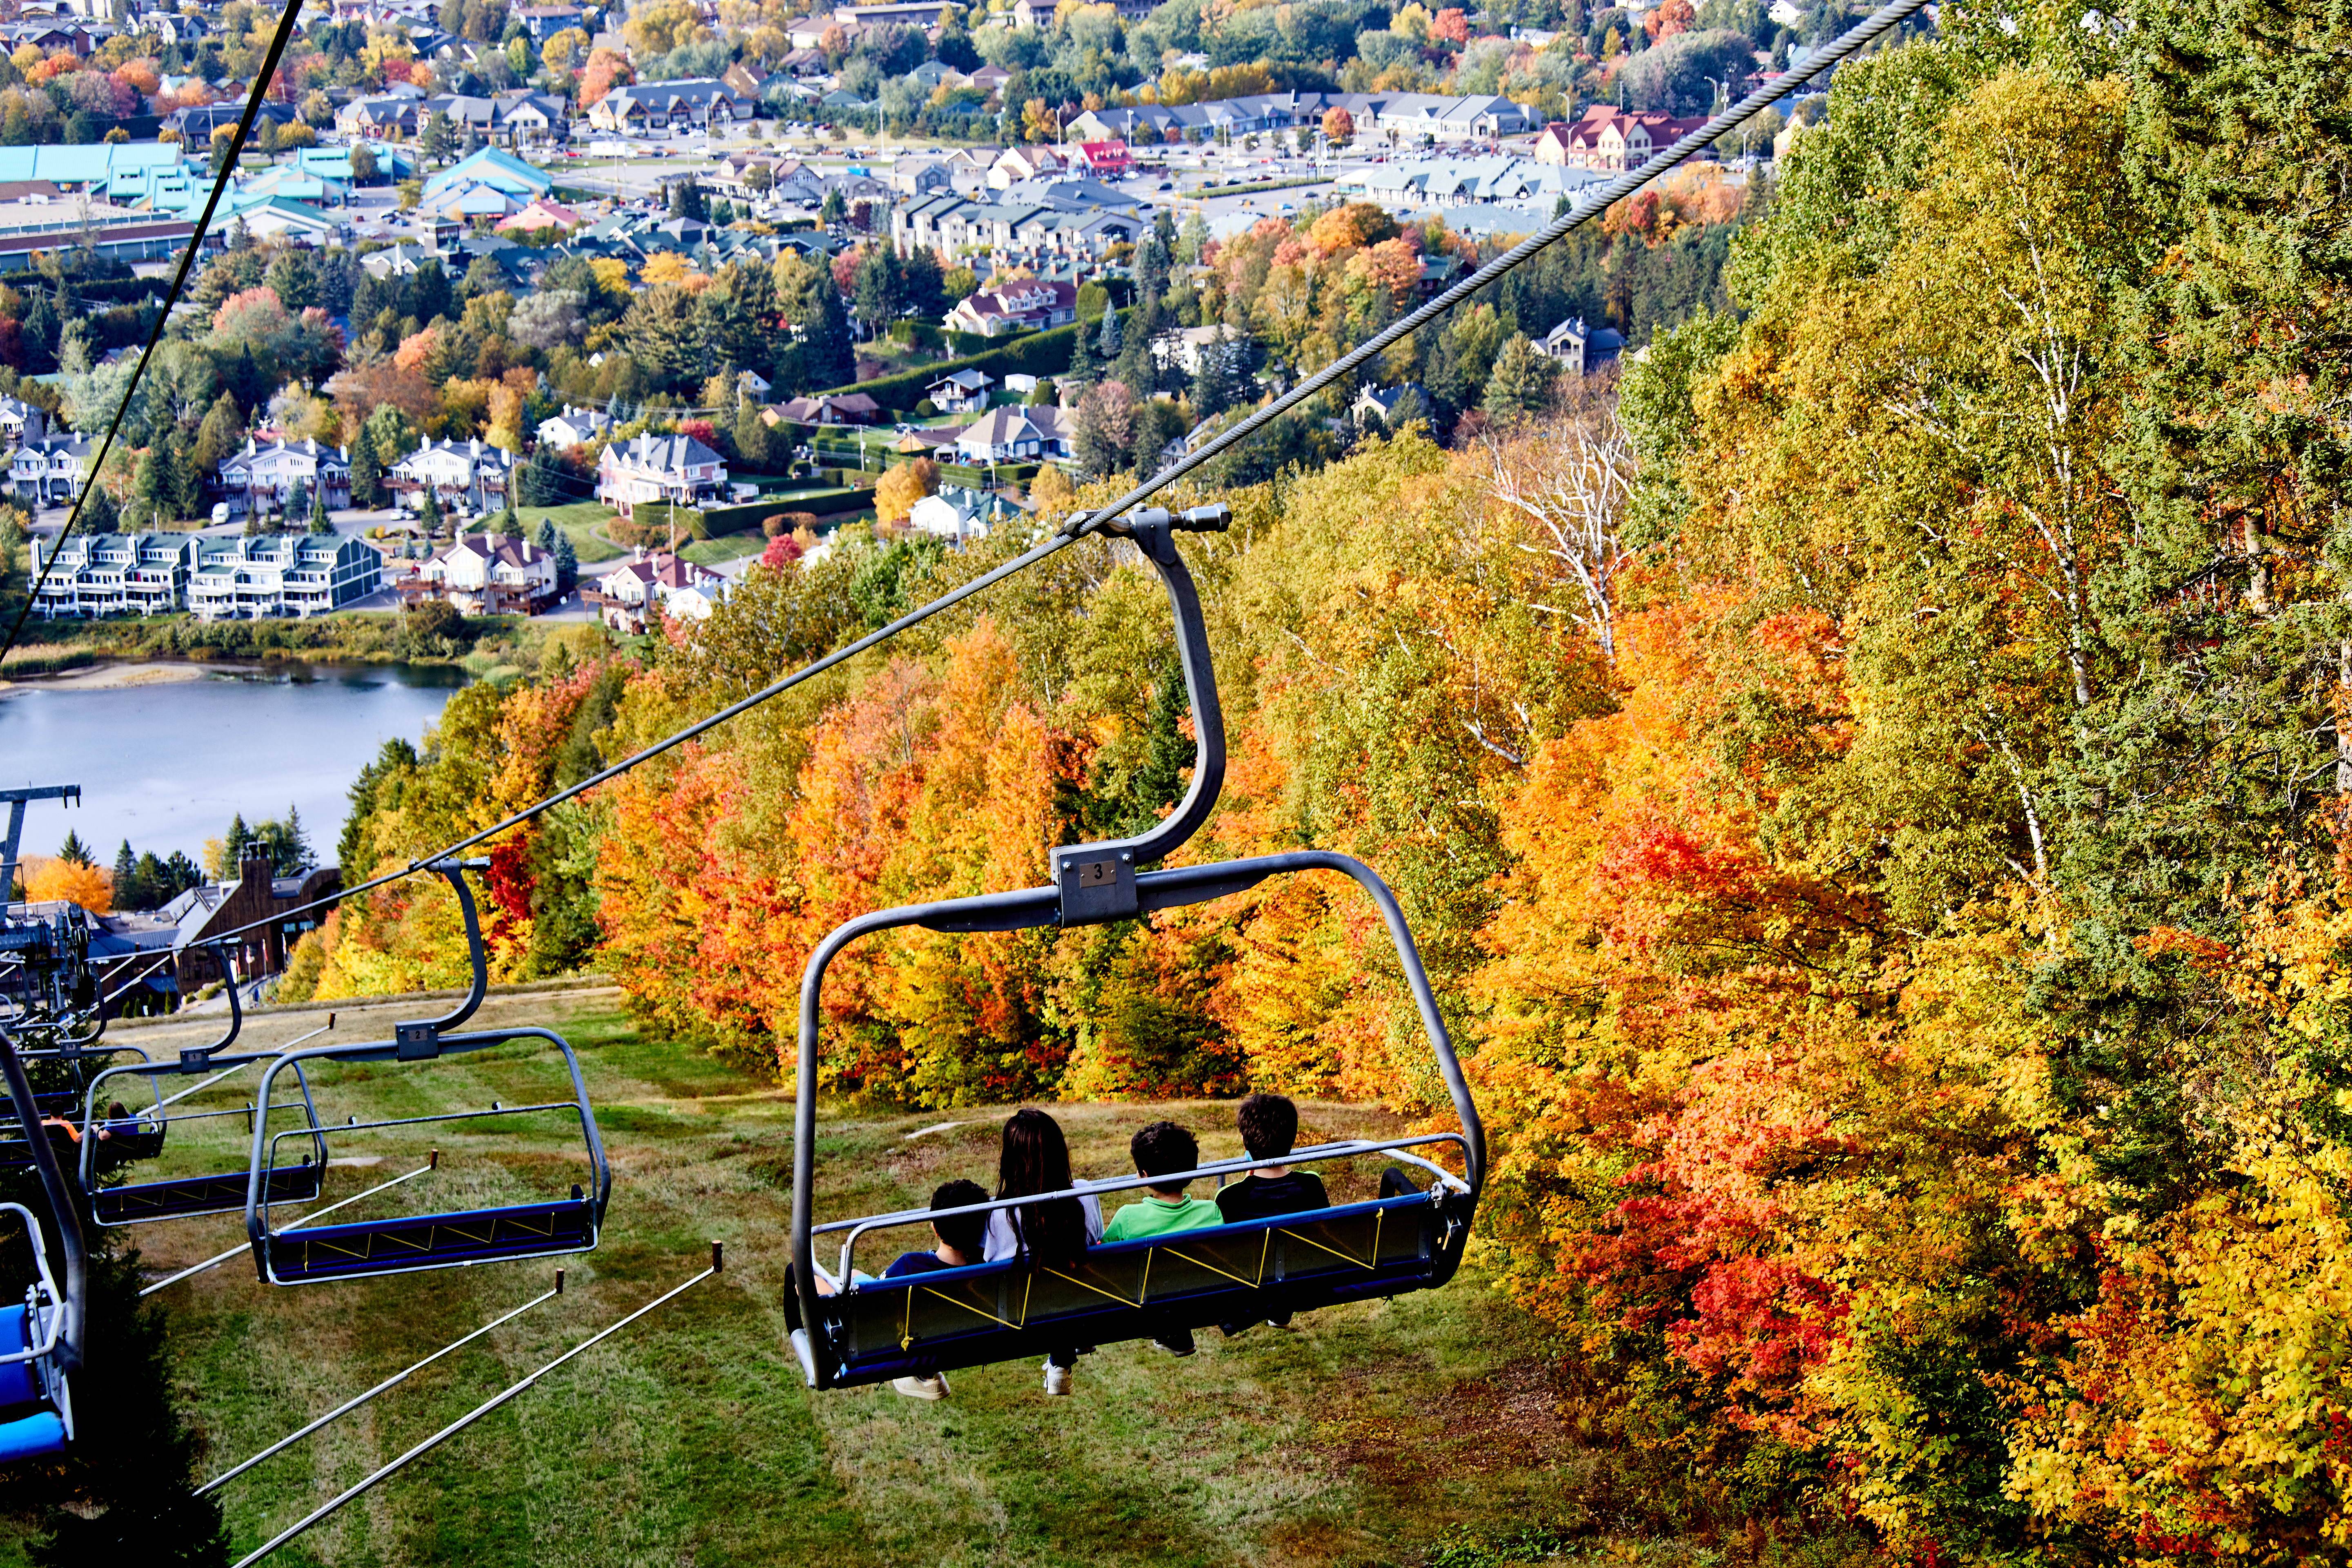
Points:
point(957, 514)
point(113, 575)
point(263, 477)
point(19, 419)
point(573, 427)
point(1580, 349)
point(470, 473)
point(1031, 303)
point(959, 392)
point(48, 469)
point(487, 574)
point(676, 470)
point(625, 596)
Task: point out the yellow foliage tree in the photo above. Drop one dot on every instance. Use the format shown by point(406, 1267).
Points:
point(902, 485)
point(46, 879)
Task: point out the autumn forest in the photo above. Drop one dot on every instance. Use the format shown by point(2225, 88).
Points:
point(1871, 782)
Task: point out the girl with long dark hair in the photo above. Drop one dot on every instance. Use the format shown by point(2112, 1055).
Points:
point(1053, 1234)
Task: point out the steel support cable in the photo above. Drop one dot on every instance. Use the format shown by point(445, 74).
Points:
point(163, 318)
point(512, 1392)
point(394, 1381)
point(1592, 200)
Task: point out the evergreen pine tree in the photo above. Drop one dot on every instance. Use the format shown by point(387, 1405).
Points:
point(232, 845)
point(75, 850)
point(367, 469)
point(1107, 344)
point(126, 879)
point(832, 362)
point(430, 514)
point(320, 521)
point(1085, 368)
point(567, 563)
point(545, 537)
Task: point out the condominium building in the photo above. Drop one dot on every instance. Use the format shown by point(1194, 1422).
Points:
point(299, 575)
point(98, 574)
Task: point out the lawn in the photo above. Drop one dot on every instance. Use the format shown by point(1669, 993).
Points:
point(725, 548)
point(1371, 1434)
point(580, 522)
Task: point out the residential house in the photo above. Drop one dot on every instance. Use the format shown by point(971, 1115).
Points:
point(48, 470)
point(1015, 165)
point(833, 408)
point(1105, 160)
point(1031, 303)
point(390, 118)
point(1579, 349)
point(959, 392)
point(920, 176)
point(486, 574)
point(1002, 435)
point(543, 22)
point(626, 597)
point(675, 469)
point(957, 513)
point(573, 427)
point(113, 574)
point(300, 575)
point(19, 419)
point(471, 475)
point(263, 476)
point(652, 106)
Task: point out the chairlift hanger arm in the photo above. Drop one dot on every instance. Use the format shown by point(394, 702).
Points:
point(74, 1301)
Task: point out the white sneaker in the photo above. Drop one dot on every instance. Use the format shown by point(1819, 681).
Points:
point(1057, 1379)
point(933, 1387)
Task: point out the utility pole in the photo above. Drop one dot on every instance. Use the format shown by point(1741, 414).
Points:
point(17, 799)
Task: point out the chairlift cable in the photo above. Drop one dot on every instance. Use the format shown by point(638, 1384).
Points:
point(1589, 202)
point(245, 1247)
point(393, 1381)
point(171, 300)
point(505, 1395)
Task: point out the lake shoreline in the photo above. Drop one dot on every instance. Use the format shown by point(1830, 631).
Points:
point(112, 677)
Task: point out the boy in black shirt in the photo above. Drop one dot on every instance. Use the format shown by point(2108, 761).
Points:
point(1269, 1128)
point(1269, 1125)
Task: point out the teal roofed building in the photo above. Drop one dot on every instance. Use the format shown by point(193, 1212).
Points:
point(175, 189)
point(87, 163)
point(495, 167)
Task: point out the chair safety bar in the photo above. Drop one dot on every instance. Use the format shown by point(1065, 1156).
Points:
point(1098, 883)
point(308, 1254)
point(857, 1228)
point(183, 1197)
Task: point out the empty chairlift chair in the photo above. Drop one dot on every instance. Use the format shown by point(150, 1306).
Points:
point(41, 1340)
point(873, 1330)
point(108, 1142)
point(311, 1254)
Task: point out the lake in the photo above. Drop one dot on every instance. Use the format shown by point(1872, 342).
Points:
point(166, 766)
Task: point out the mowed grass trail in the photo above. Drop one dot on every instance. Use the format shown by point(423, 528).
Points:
point(1370, 1436)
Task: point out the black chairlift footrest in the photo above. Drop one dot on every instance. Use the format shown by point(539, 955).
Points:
point(183, 1197)
point(947, 1319)
point(430, 1241)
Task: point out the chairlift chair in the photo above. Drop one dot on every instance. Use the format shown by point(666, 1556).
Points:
point(143, 1135)
point(873, 1330)
point(41, 1340)
point(401, 1244)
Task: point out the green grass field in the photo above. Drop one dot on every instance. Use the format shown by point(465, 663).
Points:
point(1373, 1434)
point(580, 522)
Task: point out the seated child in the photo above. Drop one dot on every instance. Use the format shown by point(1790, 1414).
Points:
point(1269, 1128)
point(960, 1236)
point(1162, 1149)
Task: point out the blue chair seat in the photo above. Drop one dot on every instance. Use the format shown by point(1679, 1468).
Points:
point(1136, 1289)
point(18, 1385)
point(185, 1196)
point(32, 1438)
point(430, 1241)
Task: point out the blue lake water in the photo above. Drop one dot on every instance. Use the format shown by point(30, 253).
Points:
point(166, 766)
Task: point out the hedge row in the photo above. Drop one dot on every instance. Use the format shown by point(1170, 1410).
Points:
point(1038, 353)
point(719, 519)
point(111, 291)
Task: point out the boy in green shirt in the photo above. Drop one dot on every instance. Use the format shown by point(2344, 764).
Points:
point(1164, 1149)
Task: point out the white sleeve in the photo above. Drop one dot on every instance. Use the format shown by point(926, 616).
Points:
point(1001, 1243)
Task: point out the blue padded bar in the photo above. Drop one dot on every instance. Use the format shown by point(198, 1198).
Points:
point(34, 1437)
point(185, 1196)
point(432, 1241)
